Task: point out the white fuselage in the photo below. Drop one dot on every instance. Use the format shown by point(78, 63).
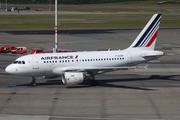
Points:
point(44, 64)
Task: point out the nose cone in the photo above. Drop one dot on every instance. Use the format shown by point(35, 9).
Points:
point(9, 69)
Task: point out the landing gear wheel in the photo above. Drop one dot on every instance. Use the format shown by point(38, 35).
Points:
point(93, 82)
point(33, 83)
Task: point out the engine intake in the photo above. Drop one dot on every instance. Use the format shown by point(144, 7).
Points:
point(72, 78)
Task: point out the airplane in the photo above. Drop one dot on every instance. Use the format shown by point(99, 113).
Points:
point(75, 67)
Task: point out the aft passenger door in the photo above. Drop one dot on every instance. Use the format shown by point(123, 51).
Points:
point(130, 59)
point(35, 63)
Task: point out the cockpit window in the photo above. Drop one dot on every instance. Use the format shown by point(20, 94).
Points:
point(15, 62)
point(19, 62)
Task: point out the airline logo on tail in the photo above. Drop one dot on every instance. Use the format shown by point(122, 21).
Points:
point(152, 39)
point(149, 34)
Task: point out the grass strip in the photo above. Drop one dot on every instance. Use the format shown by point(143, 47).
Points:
point(85, 24)
point(85, 16)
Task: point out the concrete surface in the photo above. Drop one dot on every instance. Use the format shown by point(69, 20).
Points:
point(137, 94)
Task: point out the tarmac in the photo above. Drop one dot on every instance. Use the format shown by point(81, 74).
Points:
point(135, 94)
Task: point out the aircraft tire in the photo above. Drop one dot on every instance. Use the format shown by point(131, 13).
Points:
point(33, 84)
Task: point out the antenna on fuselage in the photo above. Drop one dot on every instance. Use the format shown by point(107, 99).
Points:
point(55, 49)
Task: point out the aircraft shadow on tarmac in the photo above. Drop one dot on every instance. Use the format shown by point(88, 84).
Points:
point(114, 83)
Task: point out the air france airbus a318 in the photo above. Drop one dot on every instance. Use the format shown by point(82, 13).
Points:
point(75, 67)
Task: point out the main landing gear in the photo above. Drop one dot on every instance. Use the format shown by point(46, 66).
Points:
point(93, 82)
point(33, 83)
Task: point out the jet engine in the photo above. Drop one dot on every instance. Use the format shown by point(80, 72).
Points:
point(72, 78)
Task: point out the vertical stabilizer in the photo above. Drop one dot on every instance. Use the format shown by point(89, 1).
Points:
point(147, 38)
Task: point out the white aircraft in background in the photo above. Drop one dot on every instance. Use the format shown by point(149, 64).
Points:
point(75, 67)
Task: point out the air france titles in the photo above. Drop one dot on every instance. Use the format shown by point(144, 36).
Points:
point(57, 57)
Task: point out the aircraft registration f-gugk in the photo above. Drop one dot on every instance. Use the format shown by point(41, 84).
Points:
point(75, 67)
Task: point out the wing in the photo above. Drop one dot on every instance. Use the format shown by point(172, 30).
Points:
point(94, 70)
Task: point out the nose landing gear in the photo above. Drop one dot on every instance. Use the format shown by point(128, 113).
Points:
point(33, 83)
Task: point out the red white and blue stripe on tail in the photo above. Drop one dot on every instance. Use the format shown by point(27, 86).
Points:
point(147, 38)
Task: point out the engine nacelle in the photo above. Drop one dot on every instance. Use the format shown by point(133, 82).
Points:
point(72, 78)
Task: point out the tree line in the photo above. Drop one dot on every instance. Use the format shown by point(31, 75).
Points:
point(64, 1)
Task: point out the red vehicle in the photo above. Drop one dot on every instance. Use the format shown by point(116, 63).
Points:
point(104, 49)
point(33, 51)
point(19, 50)
point(8, 48)
point(47, 51)
point(67, 51)
point(1, 49)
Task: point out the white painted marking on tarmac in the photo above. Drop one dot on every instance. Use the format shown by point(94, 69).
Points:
point(169, 54)
point(89, 118)
point(85, 118)
point(26, 117)
point(22, 117)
